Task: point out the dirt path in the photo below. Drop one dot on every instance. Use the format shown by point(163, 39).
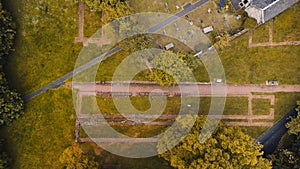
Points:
point(81, 37)
point(139, 88)
point(270, 43)
point(145, 88)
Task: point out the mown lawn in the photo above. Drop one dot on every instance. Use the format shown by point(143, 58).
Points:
point(287, 25)
point(245, 65)
point(261, 34)
point(284, 102)
point(261, 106)
point(45, 50)
point(38, 138)
point(233, 106)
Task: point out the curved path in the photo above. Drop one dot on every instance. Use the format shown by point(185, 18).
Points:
point(272, 137)
point(153, 29)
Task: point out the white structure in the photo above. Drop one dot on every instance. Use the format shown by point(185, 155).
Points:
point(198, 54)
point(264, 10)
point(169, 46)
point(208, 29)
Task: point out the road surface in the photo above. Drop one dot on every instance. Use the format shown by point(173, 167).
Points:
point(271, 137)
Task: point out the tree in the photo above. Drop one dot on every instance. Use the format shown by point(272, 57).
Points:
point(294, 124)
point(4, 159)
point(111, 9)
point(228, 147)
point(223, 41)
point(288, 157)
point(74, 158)
point(7, 32)
point(136, 43)
point(11, 104)
point(170, 68)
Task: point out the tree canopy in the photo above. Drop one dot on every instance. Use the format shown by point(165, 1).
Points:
point(4, 159)
point(7, 32)
point(74, 157)
point(294, 124)
point(111, 9)
point(288, 155)
point(228, 148)
point(170, 68)
point(11, 104)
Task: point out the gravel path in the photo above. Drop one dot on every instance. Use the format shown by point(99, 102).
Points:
point(204, 89)
point(270, 43)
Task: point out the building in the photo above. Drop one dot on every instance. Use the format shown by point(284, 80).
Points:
point(264, 10)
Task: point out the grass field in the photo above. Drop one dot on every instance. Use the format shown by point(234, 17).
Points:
point(287, 24)
point(261, 34)
point(233, 106)
point(45, 50)
point(38, 138)
point(158, 6)
point(261, 106)
point(256, 65)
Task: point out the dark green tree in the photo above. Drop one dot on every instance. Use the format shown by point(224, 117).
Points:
point(4, 159)
point(136, 43)
point(294, 124)
point(111, 9)
point(74, 158)
point(7, 32)
point(11, 104)
point(288, 156)
point(170, 68)
point(228, 148)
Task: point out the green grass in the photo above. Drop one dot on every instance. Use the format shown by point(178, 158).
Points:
point(284, 102)
point(244, 65)
point(47, 51)
point(236, 106)
point(287, 24)
point(157, 5)
point(233, 106)
point(45, 48)
point(261, 106)
point(106, 105)
point(261, 34)
point(38, 138)
point(255, 132)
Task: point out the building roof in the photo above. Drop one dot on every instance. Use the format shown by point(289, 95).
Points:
point(269, 8)
point(276, 7)
point(262, 3)
point(235, 4)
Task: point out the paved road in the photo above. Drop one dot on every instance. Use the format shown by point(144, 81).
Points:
point(271, 137)
point(60, 81)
